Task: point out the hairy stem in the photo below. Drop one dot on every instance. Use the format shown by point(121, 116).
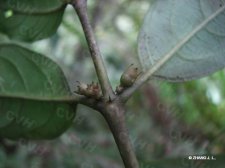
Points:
point(114, 115)
point(81, 9)
point(145, 77)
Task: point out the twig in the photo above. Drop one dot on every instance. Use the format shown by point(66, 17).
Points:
point(114, 115)
point(112, 111)
point(81, 9)
point(145, 77)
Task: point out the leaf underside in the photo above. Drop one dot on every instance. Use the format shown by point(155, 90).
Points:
point(169, 22)
point(25, 79)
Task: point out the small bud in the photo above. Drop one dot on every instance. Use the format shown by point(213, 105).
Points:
point(82, 88)
point(91, 90)
point(119, 89)
point(129, 76)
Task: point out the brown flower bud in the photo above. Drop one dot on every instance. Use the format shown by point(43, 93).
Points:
point(119, 89)
point(82, 88)
point(129, 76)
point(92, 90)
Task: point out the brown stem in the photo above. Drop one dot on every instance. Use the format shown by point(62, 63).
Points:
point(81, 8)
point(114, 115)
point(113, 112)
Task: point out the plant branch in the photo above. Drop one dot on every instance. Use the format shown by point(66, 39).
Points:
point(81, 8)
point(114, 115)
point(146, 76)
point(112, 111)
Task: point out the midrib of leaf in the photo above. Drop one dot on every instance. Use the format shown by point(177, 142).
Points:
point(51, 99)
point(179, 45)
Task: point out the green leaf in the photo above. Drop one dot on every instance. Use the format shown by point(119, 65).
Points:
point(30, 20)
point(29, 85)
point(3, 38)
point(190, 33)
point(186, 163)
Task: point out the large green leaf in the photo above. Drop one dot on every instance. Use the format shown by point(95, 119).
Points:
point(29, 82)
point(186, 163)
point(30, 20)
point(3, 38)
point(192, 30)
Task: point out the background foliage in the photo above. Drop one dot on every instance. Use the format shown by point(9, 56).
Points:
point(175, 120)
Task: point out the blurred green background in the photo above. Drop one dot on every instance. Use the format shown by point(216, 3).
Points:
point(165, 120)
